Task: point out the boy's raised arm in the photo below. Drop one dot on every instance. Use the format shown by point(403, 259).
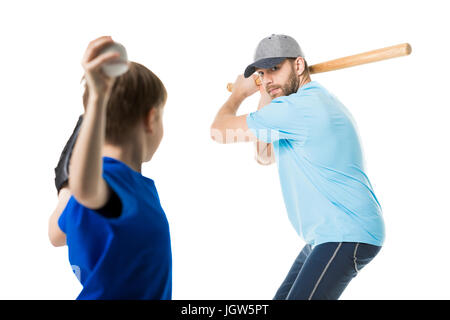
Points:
point(86, 182)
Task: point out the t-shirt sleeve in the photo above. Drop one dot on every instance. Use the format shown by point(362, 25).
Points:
point(62, 218)
point(278, 120)
point(113, 207)
point(62, 222)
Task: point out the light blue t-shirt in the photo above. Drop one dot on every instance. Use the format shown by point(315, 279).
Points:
point(327, 194)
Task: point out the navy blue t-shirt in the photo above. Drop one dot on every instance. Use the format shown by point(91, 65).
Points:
point(128, 257)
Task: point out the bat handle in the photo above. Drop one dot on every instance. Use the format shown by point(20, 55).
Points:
point(230, 85)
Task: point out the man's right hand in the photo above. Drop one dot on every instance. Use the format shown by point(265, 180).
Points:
point(244, 87)
point(265, 98)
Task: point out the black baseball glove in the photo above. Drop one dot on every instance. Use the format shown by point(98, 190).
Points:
point(62, 169)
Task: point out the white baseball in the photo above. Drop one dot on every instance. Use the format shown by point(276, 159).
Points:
point(117, 66)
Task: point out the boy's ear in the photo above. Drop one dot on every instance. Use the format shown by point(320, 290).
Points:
point(150, 120)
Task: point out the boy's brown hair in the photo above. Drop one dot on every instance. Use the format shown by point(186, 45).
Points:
point(133, 95)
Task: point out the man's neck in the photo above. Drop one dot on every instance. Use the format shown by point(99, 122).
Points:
point(303, 80)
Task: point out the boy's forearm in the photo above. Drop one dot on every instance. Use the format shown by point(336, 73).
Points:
point(86, 161)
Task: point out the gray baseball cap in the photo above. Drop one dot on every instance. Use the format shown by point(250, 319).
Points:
point(273, 50)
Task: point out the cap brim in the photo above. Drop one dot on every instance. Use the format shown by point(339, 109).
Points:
point(266, 63)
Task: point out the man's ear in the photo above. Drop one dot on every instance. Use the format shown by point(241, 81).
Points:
point(299, 65)
point(150, 120)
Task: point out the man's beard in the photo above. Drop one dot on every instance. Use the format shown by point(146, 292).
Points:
point(290, 87)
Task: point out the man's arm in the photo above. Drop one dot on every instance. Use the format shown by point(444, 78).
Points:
point(264, 154)
point(86, 182)
point(227, 127)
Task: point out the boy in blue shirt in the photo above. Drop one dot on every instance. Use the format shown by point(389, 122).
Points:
point(109, 214)
point(312, 137)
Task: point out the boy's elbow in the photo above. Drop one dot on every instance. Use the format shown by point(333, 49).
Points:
point(57, 242)
point(56, 236)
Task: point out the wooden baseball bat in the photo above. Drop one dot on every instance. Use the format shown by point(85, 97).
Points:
point(399, 50)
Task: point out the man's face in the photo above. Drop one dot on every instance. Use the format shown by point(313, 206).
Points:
point(280, 80)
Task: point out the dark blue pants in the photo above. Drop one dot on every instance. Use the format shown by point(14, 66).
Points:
point(323, 272)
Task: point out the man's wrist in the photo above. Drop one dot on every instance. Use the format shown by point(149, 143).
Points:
point(238, 98)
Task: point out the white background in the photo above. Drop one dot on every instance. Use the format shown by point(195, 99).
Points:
point(231, 238)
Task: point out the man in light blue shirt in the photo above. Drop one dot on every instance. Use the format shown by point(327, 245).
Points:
point(312, 137)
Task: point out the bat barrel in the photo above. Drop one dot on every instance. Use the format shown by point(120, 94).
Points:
point(399, 50)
